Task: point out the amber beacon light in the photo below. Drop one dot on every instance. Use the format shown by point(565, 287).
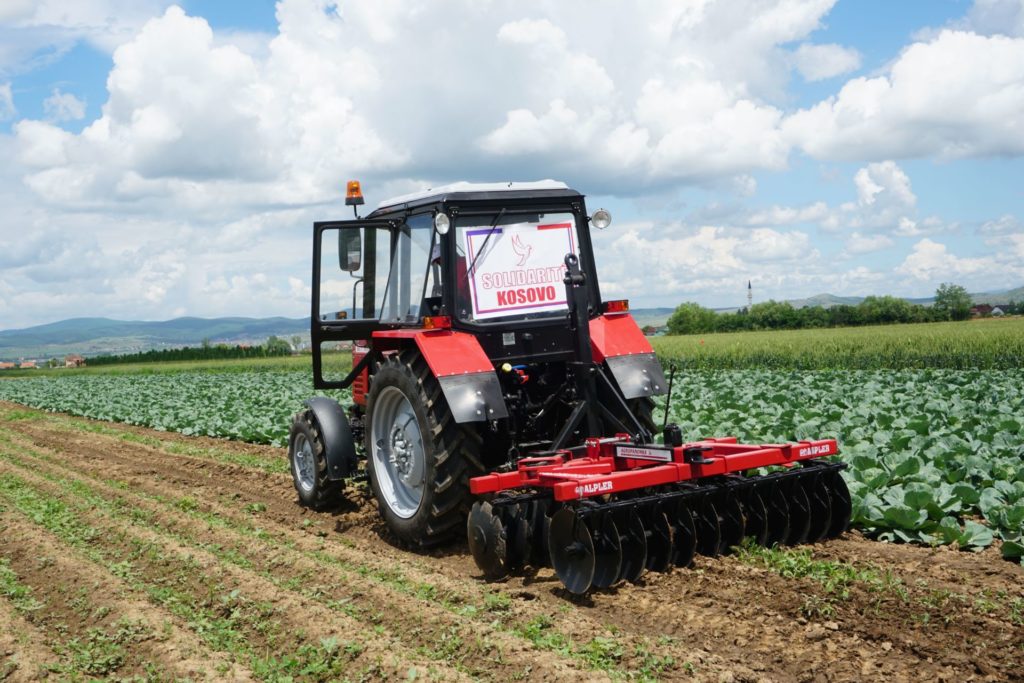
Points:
point(353, 194)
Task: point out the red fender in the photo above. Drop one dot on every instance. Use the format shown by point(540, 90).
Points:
point(617, 334)
point(447, 352)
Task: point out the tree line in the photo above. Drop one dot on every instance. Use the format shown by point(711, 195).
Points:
point(274, 346)
point(952, 302)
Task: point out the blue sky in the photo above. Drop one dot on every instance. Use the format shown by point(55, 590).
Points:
point(167, 159)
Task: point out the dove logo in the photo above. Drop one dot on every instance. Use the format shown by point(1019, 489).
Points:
point(521, 250)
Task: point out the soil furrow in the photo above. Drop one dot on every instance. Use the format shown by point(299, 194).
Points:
point(441, 581)
point(387, 603)
point(907, 613)
point(81, 600)
point(259, 616)
point(22, 654)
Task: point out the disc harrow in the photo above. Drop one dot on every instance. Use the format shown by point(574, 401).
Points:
point(611, 513)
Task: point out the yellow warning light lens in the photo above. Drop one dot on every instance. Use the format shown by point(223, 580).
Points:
point(353, 193)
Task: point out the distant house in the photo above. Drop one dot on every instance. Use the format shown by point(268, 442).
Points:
point(74, 361)
point(8, 366)
point(981, 310)
point(996, 311)
point(27, 365)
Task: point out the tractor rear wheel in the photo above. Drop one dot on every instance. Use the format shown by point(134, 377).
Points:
point(419, 460)
point(643, 409)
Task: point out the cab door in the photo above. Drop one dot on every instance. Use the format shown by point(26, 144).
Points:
point(351, 260)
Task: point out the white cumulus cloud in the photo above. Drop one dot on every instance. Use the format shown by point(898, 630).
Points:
point(958, 95)
point(61, 106)
point(818, 62)
point(7, 110)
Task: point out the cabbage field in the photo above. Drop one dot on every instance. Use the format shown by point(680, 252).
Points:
point(935, 456)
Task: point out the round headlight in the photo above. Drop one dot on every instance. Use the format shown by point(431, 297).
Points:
point(601, 219)
point(442, 223)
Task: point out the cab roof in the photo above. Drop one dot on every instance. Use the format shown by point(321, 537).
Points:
point(478, 191)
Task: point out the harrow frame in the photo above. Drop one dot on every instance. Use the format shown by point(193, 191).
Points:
point(617, 464)
point(612, 509)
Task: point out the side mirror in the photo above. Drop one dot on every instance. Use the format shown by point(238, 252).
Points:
point(350, 249)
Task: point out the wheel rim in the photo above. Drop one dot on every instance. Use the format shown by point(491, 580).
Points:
point(305, 465)
point(398, 453)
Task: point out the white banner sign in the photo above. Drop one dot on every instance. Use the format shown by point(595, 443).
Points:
point(521, 268)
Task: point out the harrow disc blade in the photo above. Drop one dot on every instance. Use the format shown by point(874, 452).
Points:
point(539, 516)
point(607, 550)
point(821, 506)
point(633, 538)
point(776, 512)
point(487, 540)
point(517, 541)
point(841, 505)
point(799, 512)
point(685, 536)
point(730, 520)
point(572, 551)
point(709, 533)
point(756, 515)
point(659, 540)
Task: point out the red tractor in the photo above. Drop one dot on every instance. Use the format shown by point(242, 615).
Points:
point(495, 393)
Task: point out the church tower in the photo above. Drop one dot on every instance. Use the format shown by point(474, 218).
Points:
point(750, 296)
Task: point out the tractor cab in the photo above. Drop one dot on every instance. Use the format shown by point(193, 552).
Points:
point(487, 259)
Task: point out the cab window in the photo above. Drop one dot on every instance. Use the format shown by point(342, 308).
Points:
point(512, 265)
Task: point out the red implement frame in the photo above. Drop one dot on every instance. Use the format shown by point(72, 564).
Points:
point(613, 465)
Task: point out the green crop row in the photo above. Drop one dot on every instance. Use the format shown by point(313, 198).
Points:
point(971, 345)
point(243, 405)
point(935, 456)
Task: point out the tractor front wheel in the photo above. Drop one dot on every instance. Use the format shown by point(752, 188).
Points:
point(307, 455)
point(419, 460)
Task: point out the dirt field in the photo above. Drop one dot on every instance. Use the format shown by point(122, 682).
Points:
point(129, 553)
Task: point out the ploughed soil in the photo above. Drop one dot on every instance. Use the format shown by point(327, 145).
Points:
point(127, 553)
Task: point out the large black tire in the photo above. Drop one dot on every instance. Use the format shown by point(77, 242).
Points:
point(643, 408)
point(307, 459)
point(450, 453)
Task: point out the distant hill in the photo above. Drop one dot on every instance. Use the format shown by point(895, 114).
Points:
point(993, 298)
point(96, 336)
point(651, 316)
point(826, 301)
